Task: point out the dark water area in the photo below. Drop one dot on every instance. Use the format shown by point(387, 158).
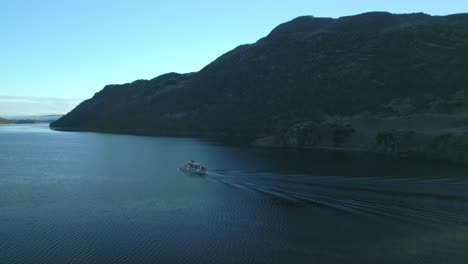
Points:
point(69, 197)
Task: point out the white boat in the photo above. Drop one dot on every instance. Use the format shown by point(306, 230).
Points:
point(194, 167)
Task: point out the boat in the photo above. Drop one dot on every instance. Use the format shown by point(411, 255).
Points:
point(193, 167)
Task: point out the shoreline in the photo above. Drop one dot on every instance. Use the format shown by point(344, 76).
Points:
point(257, 142)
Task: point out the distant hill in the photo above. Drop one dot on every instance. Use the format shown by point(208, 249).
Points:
point(377, 82)
point(29, 119)
point(5, 121)
point(45, 118)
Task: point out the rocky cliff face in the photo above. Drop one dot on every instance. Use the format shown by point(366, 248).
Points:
point(311, 82)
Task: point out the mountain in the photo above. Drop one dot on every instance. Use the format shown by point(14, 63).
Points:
point(5, 121)
point(376, 81)
point(29, 119)
point(41, 118)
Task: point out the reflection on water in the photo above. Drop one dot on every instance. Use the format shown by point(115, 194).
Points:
point(101, 198)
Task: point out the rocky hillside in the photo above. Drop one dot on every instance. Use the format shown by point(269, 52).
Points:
point(361, 82)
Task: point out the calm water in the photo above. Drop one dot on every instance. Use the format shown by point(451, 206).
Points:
point(101, 198)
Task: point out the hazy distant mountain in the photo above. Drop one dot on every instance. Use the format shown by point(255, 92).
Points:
point(29, 119)
point(5, 121)
point(375, 81)
point(36, 117)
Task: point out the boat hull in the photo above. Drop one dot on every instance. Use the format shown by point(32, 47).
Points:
point(196, 172)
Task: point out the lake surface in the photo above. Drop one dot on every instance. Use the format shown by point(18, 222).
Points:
point(69, 197)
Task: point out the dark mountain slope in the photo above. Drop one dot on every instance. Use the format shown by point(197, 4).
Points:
point(305, 70)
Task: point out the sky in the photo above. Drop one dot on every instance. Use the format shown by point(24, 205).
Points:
point(54, 54)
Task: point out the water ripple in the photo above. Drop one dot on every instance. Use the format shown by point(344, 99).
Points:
point(408, 199)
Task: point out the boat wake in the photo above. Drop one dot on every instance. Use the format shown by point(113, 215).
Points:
point(427, 201)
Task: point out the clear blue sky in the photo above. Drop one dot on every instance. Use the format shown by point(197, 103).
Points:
point(69, 50)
